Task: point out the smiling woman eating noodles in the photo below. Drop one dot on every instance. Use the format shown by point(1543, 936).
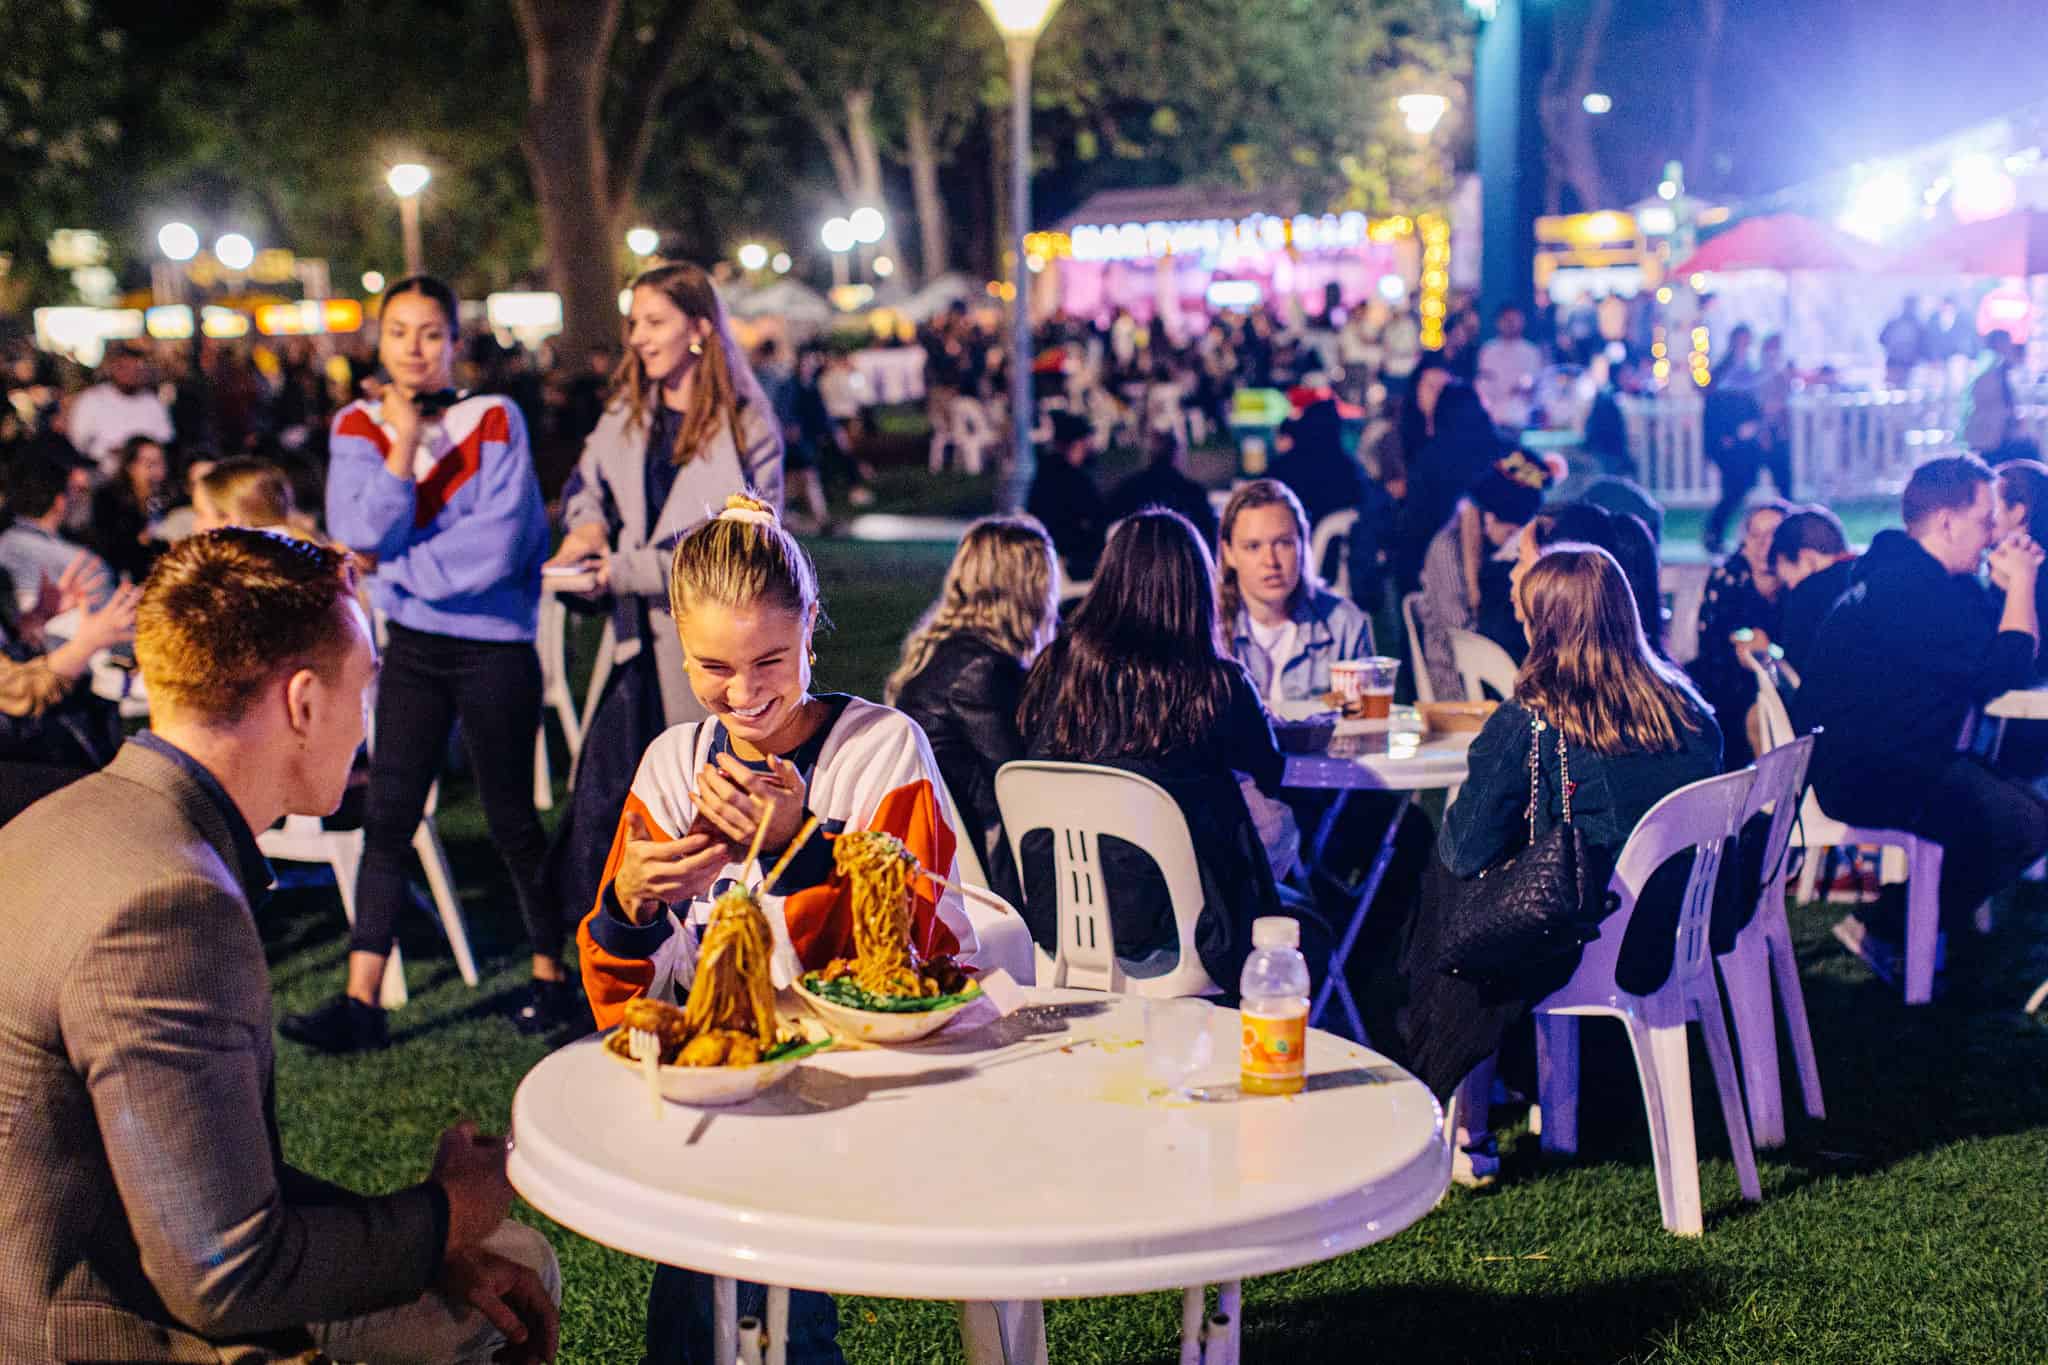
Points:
point(744, 598)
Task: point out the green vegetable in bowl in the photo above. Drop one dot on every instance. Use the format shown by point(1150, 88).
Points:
point(845, 992)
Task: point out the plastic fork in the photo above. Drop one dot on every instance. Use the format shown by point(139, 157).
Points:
point(646, 1049)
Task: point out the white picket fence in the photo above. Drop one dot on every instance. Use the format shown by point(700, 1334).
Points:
point(1843, 444)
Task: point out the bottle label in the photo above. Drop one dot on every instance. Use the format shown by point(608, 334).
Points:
point(1274, 1048)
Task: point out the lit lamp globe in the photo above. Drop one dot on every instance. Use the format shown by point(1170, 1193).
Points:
point(178, 241)
point(868, 225)
point(1020, 18)
point(837, 235)
point(235, 251)
point(643, 241)
point(407, 179)
point(781, 263)
point(373, 281)
point(1422, 113)
point(753, 256)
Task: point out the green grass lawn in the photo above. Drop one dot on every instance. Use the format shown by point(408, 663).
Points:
point(1907, 1227)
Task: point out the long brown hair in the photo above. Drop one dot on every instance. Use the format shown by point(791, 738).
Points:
point(1002, 586)
point(1591, 671)
point(723, 386)
point(1140, 670)
point(1260, 493)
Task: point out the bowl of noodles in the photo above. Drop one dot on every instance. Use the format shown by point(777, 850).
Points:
point(884, 993)
point(726, 1044)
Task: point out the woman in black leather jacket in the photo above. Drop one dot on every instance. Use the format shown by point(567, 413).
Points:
point(962, 673)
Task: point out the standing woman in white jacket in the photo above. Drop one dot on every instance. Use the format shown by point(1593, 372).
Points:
point(687, 426)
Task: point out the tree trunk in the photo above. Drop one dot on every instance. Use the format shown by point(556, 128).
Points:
point(567, 43)
point(867, 166)
point(924, 187)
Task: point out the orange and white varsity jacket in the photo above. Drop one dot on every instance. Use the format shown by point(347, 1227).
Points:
point(870, 768)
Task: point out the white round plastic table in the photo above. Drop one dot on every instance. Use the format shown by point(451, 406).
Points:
point(1023, 1159)
point(1400, 758)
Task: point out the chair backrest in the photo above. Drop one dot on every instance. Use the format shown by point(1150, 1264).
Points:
point(966, 840)
point(1701, 817)
point(1334, 527)
point(1777, 720)
point(1780, 778)
point(1079, 804)
point(1425, 690)
point(1482, 664)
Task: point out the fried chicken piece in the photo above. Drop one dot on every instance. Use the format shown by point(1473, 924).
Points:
point(707, 1049)
point(659, 1017)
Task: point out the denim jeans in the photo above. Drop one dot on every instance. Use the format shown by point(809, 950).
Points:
point(679, 1306)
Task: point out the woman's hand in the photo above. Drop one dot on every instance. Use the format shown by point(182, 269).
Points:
point(654, 872)
point(735, 798)
point(113, 624)
point(404, 420)
point(587, 541)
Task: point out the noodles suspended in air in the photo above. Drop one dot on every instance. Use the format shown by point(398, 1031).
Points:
point(729, 1019)
point(879, 870)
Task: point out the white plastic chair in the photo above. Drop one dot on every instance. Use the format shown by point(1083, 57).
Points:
point(1482, 664)
point(1701, 817)
point(306, 839)
point(1817, 830)
point(1333, 527)
point(1078, 804)
point(600, 673)
point(551, 642)
point(1762, 956)
point(1425, 690)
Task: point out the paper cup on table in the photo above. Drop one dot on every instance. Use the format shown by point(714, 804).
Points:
point(1367, 686)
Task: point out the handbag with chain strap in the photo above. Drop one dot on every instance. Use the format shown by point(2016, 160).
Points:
point(1531, 907)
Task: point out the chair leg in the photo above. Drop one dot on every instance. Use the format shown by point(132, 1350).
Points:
point(1746, 977)
point(543, 780)
point(1714, 1034)
point(426, 842)
point(1809, 873)
point(1792, 997)
point(1923, 919)
point(1557, 1080)
point(1663, 1064)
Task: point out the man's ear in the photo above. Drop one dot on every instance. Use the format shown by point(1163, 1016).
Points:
point(298, 702)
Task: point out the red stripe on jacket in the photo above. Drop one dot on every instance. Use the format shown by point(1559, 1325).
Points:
point(459, 465)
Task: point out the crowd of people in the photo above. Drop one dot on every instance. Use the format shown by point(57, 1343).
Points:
point(292, 658)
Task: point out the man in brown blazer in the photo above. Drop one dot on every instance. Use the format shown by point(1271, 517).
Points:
point(146, 1211)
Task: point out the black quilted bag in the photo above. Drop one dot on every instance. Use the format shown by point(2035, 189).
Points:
point(1535, 906)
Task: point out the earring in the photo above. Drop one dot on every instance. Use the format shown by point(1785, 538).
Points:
point(696, 348)
point(814, 658)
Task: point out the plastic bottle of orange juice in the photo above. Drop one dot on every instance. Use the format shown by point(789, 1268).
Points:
point(1274, 1007)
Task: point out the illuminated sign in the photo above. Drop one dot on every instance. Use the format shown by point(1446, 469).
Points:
point(531, 311)
point(1214, 239)
point(1235, 294)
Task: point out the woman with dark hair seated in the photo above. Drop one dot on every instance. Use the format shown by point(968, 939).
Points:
point(1620, 534)
point(1738, 615)
point(128, 506)
point(1140, 681)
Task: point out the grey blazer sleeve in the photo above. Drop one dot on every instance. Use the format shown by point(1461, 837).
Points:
point(762, 458)
point(167, 1018)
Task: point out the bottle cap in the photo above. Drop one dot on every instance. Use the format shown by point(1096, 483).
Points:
point(1276, 931)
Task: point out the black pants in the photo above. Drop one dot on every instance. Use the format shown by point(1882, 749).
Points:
point(427, 683)
point(1990, 829)
point(1740, 464)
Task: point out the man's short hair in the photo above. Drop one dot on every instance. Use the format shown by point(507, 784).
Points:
point(1809, 528)
point(225, 611)
point(34, 484)
point(1942, 485)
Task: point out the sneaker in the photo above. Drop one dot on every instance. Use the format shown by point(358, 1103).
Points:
point(340, 1026)
point(1477, 1166)
point(549, 1005)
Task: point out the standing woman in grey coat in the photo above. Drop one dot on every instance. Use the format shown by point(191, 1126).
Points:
point(687, 426)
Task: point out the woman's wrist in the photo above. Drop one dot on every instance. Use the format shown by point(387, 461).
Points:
point(70, 660)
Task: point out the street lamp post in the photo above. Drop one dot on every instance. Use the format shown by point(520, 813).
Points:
point(406, 180)
point(838, 237)
point(1020, 22)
